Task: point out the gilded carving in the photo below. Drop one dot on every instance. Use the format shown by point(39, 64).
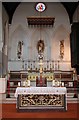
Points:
point(42, 100)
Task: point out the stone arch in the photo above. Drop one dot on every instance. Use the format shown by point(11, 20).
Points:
point(19, 30)
point(19, 34)
point(36, 37)
point(61, 32)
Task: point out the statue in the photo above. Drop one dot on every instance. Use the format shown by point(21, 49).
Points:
point(40, 46)
point(19, 49)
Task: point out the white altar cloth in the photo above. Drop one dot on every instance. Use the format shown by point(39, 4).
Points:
point(40, 90)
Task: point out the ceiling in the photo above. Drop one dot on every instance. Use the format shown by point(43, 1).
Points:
point(11, 7)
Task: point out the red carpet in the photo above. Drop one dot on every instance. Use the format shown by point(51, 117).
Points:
point(9, 111)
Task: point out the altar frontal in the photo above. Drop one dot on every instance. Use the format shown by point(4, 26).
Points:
point(41, 98)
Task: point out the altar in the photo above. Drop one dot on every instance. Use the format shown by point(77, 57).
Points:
point(36, 98)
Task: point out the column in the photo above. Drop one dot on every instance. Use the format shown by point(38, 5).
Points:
point(5, 49)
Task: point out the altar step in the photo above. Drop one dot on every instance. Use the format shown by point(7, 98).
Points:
point(70, 99)
point(9, 100)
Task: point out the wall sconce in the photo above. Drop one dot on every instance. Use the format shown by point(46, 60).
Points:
point(19, 49)
point(61, 49)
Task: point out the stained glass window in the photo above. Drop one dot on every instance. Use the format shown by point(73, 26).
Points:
point(40, 7)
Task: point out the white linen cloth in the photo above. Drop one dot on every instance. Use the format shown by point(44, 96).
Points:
point(40, 90)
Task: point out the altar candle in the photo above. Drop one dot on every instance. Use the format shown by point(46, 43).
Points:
point(24, 83)
point(63, 84)
point(18, 83)
point(53, 82)
point(58, 83)
point(28, 82)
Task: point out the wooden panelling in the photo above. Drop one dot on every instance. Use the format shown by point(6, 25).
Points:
point(40, 20)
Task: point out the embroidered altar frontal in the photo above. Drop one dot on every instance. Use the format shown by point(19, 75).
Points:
point(41, 98)
point(41, 101)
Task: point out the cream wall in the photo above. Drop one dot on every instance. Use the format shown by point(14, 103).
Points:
point(19, 31)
